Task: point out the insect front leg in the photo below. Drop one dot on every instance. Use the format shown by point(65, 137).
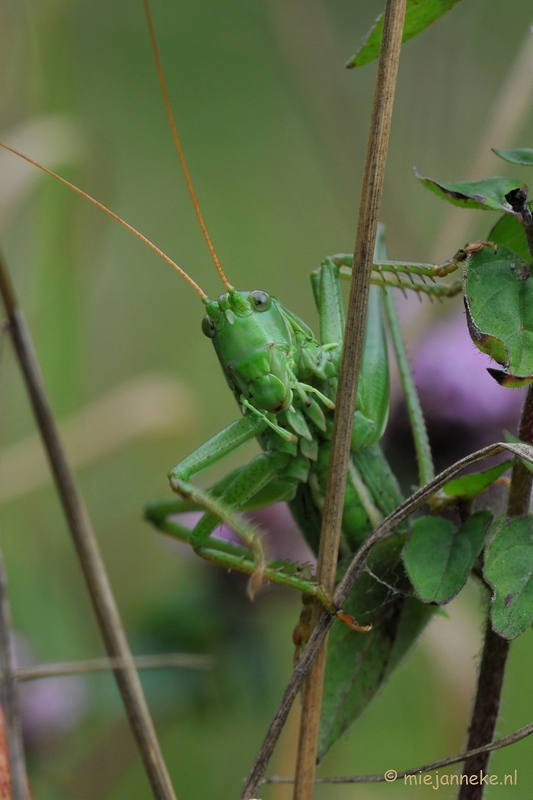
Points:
point(231, 495)
point(269, 478)
point(255, 483)
point(265, 480)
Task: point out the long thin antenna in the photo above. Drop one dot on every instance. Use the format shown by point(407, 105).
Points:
point(96, 203)
point(179, 149)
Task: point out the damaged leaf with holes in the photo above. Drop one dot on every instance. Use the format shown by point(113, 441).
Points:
point(498, 296)
point(487, 195)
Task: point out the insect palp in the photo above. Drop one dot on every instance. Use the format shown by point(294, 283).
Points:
point(302, 395)
point(286, 435)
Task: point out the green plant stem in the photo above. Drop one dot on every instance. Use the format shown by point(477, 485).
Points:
point(426, 471)
point(496, 648)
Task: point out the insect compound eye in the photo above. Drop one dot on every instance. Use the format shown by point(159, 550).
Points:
point(208, 327)
point(260, 300)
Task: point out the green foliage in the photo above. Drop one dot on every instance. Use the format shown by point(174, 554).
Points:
point(510, 233)
point(509, 570)
point(499, 304)
point(418, 15)
point(439, 555)
point(520, 155)
point(358, 665)
point(488, 194)
point(469, 486)
point(498, 300)
point(130, 334)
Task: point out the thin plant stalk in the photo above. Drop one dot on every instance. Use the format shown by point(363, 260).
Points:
point(496, 648)
point(349, 374)
point(426, 471)
point(9, 695)
point(387, 777)
point(162, 661)
point(93, 567)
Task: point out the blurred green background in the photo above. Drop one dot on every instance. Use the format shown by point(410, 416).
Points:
point(274, 130)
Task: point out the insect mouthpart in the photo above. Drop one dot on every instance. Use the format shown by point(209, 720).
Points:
point(269, 393)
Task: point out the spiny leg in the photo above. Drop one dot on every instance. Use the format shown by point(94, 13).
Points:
point(246, 483)
point(389, 273)
point(234, 556)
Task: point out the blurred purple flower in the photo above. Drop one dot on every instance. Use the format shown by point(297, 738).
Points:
point(453, 382)
point(49, 707)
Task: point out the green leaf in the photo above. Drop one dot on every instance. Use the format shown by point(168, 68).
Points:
point(439, 556)
point(418, 15)
point(510, 233)
point(498, 294)
point(509, 570)
point(469, 486)
point(488, 194)
point(359, 664)
point(520, 155)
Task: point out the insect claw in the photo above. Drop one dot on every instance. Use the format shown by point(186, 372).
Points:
point(256, 581)
point(352, 623)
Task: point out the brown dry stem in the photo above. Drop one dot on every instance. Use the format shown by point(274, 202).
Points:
point(349, 374)
point(496, 648)
point(10, 697)
point(94, 570)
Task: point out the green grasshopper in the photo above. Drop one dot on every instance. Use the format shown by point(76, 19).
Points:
point(285, 381)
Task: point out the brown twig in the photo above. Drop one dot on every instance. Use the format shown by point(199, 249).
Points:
point(496, 648)
point(86, 545)
point(505, 741)
point(349, 373)
point(9, 694)
point(162, 661)
point(357, 565)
